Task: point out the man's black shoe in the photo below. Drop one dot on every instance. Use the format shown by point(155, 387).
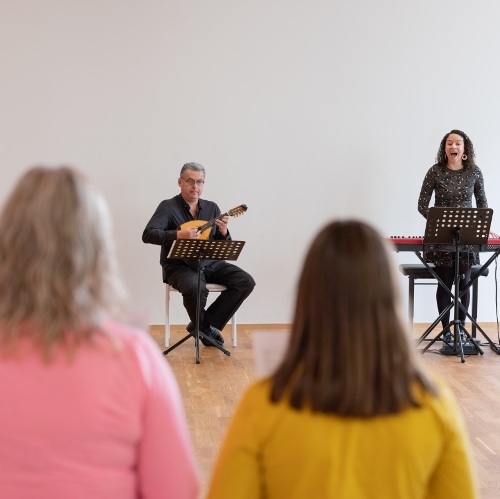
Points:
point(448, 337)
point(213, 333)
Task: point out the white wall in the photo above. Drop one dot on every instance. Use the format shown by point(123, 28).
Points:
point(305, 111)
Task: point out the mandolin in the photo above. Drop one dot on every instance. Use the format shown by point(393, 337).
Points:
point(204, 227)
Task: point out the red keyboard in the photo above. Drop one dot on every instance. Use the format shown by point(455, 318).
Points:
point(416, 243)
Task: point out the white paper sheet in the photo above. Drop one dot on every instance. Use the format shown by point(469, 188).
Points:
point(268, 350)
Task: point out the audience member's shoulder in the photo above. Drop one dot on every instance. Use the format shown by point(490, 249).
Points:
point(138, 346)
point(444, 403)
point(439, 382)
point(258, 391)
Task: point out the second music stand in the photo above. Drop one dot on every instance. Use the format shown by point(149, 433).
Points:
point(199, 250)
point(453, 229)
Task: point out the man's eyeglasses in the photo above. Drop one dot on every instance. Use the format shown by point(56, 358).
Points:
point(191, 182)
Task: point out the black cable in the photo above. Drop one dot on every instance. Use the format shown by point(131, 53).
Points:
point(496, 299)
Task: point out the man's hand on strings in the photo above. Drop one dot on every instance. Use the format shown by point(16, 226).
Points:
point(222, 224)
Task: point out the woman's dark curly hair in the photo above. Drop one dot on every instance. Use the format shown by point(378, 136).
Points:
point(468, 150)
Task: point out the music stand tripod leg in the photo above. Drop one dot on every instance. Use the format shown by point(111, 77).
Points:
point(471, 340)
point(454, 322)
point(441, 315)
point(458, 326)
point(199, 332)
point(198, 313)
point(466, 227)
point(215, 343)
point(173, 347)
point(431, 328)
point(474, 319)
point(488, 339)
point(200, 250)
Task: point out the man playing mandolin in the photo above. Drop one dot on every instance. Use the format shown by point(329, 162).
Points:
point(184, 217)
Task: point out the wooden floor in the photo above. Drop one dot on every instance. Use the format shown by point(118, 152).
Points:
point(211, 389)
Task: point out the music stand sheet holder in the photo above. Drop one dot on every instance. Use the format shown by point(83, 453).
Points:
point(201, 249)
point(456, 228)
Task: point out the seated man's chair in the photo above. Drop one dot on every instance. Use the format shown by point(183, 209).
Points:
point(212, 288)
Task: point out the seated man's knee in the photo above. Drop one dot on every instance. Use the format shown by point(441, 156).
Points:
point(251, 282)
point(243, 280)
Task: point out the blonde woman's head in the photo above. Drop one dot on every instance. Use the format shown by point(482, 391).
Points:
point(57, 266)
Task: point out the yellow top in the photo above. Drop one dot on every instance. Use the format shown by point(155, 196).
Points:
point(273, 451)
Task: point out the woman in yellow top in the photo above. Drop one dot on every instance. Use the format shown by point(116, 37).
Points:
point(349, 413)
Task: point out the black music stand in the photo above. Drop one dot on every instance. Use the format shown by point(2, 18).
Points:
point(455, 229)
point(199, 249)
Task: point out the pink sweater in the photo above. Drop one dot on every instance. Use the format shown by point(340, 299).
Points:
point(109, 424)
